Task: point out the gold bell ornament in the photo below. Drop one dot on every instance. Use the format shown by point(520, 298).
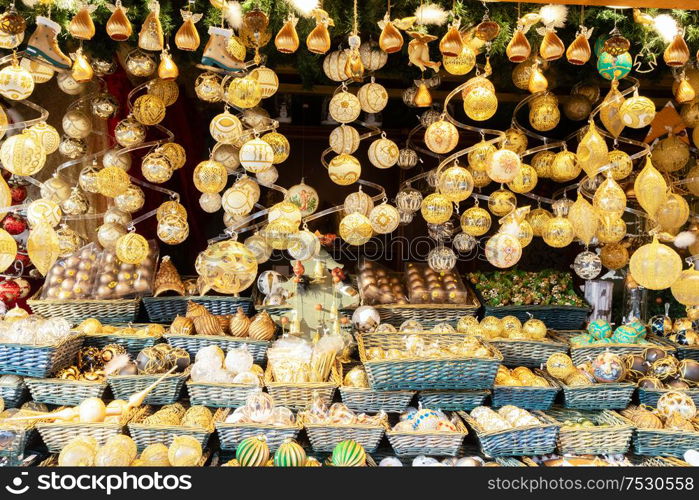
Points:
point(451, 43)
point(118, 25)
point(592, 151)
point(167, 69)
point(187, 37)
point(318, 40)
point(655, 266)
point(81, 26)
point(684, 92)
point(81, 71)
point(551, 47)
point(391, 39)
point(537, 80)
point(650, 188)
point(579, 51)
point(677, 53)
point(423, 98)
point(287, 40)
point(151, 35)
point(519, 49)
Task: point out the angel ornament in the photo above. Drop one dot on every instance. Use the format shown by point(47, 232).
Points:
point(419, 52)
point(151, 36)
point(187, 37)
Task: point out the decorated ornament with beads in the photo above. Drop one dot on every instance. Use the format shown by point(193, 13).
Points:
point(344, 139)
point(383, 153)
point(149, 109)
point(372, 97)
point(210, 176)
point(129, 132)
point(225, 128)
point(344, 107)
point(441, 137)
point(46, 135)
point(22, 154)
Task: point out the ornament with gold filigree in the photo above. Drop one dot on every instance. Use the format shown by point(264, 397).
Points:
point(16, 83)
point(655, 266)
point(637, 111)
point(149, 109)
point(344, 107)
point(129, 132)
point(208, 87)
point(501, 202)
point(151, 35)
point(244, 92)
point(441, 136)
point(131, 200)
point(559, 231)
point(165, 89)
point(132, 248)
point(544, 114)
point(22, 154)
point(565, 166)
point(254, 32)
point(172, 229)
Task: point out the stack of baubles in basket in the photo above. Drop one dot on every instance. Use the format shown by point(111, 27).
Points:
point(194, 417)
point(682, 331)
point(520, 376)
point(378, 285)
point(426, 286)
point(419, 346)
point(33, 330)
point(260, 408)
point(424, 420)
point(599, 332)
point(507, 417)
point(118, 279)
point(152, 360)
point(606, 368)
point(657, 369)
point(90, 363)
point(72, 277)
point(674, 411)
point(319, 412)
point(212, 365)
point(92, 326)
point(199, 321)
point(509, 327)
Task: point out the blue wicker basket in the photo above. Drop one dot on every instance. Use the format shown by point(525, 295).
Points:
point(555, 317)
point(14, 394)
point(38, 361)
point(530, 353)
point(164, 309)
point(132, 343)
point(452, 400)
point(166, 392)
point(60, 392)
point(598, 396)
point(650, 396)
point(526, 397)
point(611, 435)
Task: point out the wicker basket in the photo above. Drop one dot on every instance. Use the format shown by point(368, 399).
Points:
point(530, 440)
point(14, 441)
point(13, 395)
point(585, 353)
point(597, 396)
point(52, 460)
point(366, 400)
point(132, 343)
point(299, 396)
point(665, 442)
point(416, 374)
point(166, 392)
point(324, 437)
point(650, 396)
point(659, 462)
point(531, 353)
point(57, 435)
point(427, 314)
point(219, 395)
point(38, 360)
point(555, 317)
point(526, 397)
point(452, 400)
point(436, 443)
point(687, 351)
point(230, 434)
point(76, 310)
point(145, 435)
point(611, 439)
point(59, 392)
point(164, 309)
point(193, 343)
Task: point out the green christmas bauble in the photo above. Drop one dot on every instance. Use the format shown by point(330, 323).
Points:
point(252, 452)
point(614, 68)
point(599, 329)
point(290, 454)
point(348, 453)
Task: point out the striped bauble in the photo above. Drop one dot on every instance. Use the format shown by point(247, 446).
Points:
point(252, 452)
point(348, 453)
point(290, 454)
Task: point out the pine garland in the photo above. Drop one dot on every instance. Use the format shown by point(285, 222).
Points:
point(309, 65)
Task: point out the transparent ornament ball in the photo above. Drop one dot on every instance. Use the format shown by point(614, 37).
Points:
point(441, 259)
point(464, 242)
point(587, 265)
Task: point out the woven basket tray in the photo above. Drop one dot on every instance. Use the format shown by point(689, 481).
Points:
point(145, 435)
point(76, 310)
point(416, 374)
point(370, 401)
point(589, 352)
point(555, 317)
point(231, 434)
point(531, 440)
point(166, 392)
point(659, 462)
point(650, 396)
point(132, 343)
point(193, 343)
point(526, 397)
point(427, 314)
point(687, 352)
point(13, 442)
point(323, 438)
point(664, 442)
point(52, 460)
point(299, 396)
point(615, 438)
point(59, 392)
point(57, 435)
point(436, 443)
point(597, 396)
point(452, 400)
point(164, 309)
point(531, 353)
point(13, 395)
point(218, 395)
point(38, 361)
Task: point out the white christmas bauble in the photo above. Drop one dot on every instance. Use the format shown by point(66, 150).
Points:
point(256, 155)
point(48, 137)
point(372, 97)
point(344, 107)
point(16, 83)
point(305, 197)
point(76, 124)
point(68, 84)
point(268, 177)
point(383, 153)
point(225, 128)
point(384, 218)
point(344, 139)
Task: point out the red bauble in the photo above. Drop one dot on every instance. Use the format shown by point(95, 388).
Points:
point(18, 193)
point(14, 224)
point(9, 291)
point(23, 257)
point(24, 287)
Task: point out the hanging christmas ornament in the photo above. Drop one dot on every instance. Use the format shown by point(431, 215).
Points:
point(671, 154)
point(650, 188)
point(673, 213)
point(583, 218)
point(621, 164)
point(267, 79)
point(156, 168)
point(655, 266)
point(503, 165)
point(592, 151)
point(208, 87)
point(503, 250)
point(372, 56)
point(685, 288)
point(22, 154)
point(16, 83)
point(501, 202)
point(46, 136)
point(187, 37)
point(455, 183)
point(318, 40)
point(436, 208)
point(344, 107)
point(684, 92)
point(138, 63)
point(344, 139)
point(11, 22)
point(358, 201)
point(354, 68)
point(280, 146)
point(383, 153)
point(68, 241)
point(441, 137)
point(384, 218)
point(677, 53)
point(76, 204)
point(172, 229)
point(407, 158)
point(480, 104)
point(304, 197)
point(518, 49)
point(610, 110)
point(148, 109)
point(451, 43)
point(344, 169)
point(558, 232)
point(41, 73)
point(544, 114)
point(225, 128)
point(166, 90)
point(81, 70)
point(551, 47)
point(81, 25)
point(167, 69)
point(390, 39)
point(610, 230)
point(537, 219)
point(132, 248)
point(76, 124)
point(244, 92)
point(577, 107)
point(355, 229)
point(112, 181)
point(151, 35)
point(303, 245)
point(43, 247)
point(408, 200)
point(372, 97)
point(104, 106)
point(422, 98)
point(565, 166)
point(117, 158)
point(579, 51)
point(525, 180)
point(609, 200)
point(55, 188)
point(637, 112)
point(256, 155)
point(129, 132)
point(118, 26)
point(537, 80)
point(441, 259)
point(587, 265)
point(334, 65)
point(72, 148)
point(419, 52)
point(614, 256)
point(287, 40)
point(614, 67)
point(210, 176)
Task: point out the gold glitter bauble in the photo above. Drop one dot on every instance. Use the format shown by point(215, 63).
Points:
point(109, 233)
point(210, 176)
point(138, 63)
point(441, 137)
point(480, 104)
point(278, 232)
point(68, 241)
point(565, 166)
point(537, 219)
point(76, 203)
point(502, 202)
point(208, 87)
point(515, 140)
point(285, 210)
point(355, 229)
point(16, 83)
point(637, 112)
point(131, 200)
point(622, 166)
point(344, 139)
point(614, 256)
point(344, 169)
point(156, 168)
point(256, 155)
point(544, 114)
point(112, 181)
point(280, 146)
point(673, 213)
point(129, 132)
point(225, 128)
point(383, 153)
point(172, 229)
point(542, 162)
point(478, 157)
point(456, 183)
point(480, 178)
point(611, 230)
point(558, 232)
point(475, 221)
point(461, 64)
point(609, 200)
point(525, 180)
point(655, 266)
point(132, 248)
point(43, 211)
point(372, 97)
point(267, 80)
point(149, 109)
point(166, 90)
point(170, 207)
point(344, 107)
point(47, 136)
point(244, 92)
point(227, 266)
point(436, 208)
point(22, 154)
point(670, 154)
point(174, 152)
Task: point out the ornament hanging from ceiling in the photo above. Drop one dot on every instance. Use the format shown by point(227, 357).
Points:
point(187, 36)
